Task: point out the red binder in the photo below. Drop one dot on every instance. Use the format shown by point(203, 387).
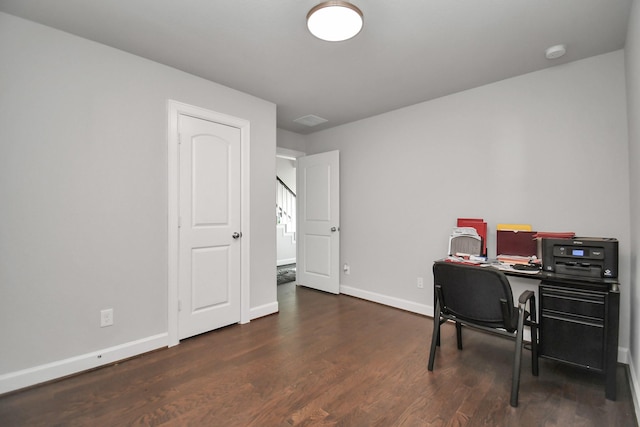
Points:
point(481, 228)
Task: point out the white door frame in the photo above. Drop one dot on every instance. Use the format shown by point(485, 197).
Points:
point(175, 109)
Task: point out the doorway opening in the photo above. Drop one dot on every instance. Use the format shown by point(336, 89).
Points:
point(317, 220)
point(286, 214)
point(286, 218)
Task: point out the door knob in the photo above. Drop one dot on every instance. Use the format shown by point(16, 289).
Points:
point(333, 229)
point(236, 235)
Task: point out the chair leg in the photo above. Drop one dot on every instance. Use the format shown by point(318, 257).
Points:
point(435, 339)
point(517, 359)
point(534, 349)
point(437, 293)
point(534, 337)
point(459, 335)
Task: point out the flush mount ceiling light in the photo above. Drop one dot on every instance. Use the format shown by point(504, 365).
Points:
point(334, 21)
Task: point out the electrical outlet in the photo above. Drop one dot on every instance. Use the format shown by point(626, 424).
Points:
point(347, 269)
point(106, 317)
point(420, 282)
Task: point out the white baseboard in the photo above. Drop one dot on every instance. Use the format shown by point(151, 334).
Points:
point(285, 261)
point(39, 374)
point(402, 304)
point(623, 355)
point(633, 385)
point(73, 365)
point(263, 310)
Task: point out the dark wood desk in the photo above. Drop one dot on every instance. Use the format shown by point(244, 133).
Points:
point(579, 322)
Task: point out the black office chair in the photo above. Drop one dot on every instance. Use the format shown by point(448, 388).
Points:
point(480, 297)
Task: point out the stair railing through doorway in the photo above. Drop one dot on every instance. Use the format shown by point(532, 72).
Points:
point(285, 206)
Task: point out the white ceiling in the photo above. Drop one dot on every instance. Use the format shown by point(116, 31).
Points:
point(409, 51)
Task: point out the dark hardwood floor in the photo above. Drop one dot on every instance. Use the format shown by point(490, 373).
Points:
point(324, 360)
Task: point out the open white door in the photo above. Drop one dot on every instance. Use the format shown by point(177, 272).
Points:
point(318, 257)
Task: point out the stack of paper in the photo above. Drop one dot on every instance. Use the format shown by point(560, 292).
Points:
point(515, 259)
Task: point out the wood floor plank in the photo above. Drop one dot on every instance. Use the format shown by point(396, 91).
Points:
point(325, 360)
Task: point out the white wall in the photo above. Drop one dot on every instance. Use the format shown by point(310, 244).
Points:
point(632, 56)
point(548, 148)
point(291, 141)
point(83, 190)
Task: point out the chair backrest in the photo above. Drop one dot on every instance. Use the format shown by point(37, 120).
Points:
point(474, 294)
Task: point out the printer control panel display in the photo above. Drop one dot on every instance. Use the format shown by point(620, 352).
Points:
point(582, 252)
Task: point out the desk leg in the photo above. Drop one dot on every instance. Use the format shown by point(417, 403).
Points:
point(611, 356)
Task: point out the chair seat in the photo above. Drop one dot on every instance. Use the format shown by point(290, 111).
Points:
point(500, 324)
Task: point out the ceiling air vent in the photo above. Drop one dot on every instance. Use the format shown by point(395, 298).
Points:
point(310, 120)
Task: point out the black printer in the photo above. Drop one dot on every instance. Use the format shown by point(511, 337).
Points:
point(581, 256)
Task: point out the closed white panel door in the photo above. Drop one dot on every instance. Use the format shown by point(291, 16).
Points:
point(318, 259)
point(209, 238)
